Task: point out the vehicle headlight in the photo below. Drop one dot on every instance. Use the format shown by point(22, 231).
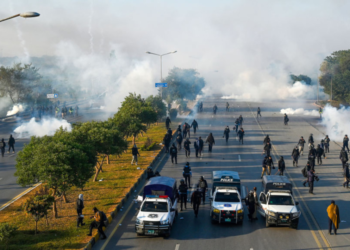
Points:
point(271, 213)
point(164, 222)
point(215, 210)
point(138, 221)
point(240, 211)
point(297, 214)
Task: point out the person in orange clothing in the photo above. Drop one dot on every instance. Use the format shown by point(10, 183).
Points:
point(333, 217)
point(98, 223)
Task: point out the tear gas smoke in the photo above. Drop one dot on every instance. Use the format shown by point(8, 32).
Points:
point(90, 27)
point(336, 121)
point(42, 128)
point(300, 111)
point(15, 109)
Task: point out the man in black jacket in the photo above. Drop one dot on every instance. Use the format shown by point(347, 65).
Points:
point(326, 144)
point(346, 176)
point(196, 201)
point(194, 125)
point(346, 142)
point(311, 140)
point(295, 156)
point(179, 140)
point(80, 207)
point(200, 146)
point(319, 153)
point(312, 157)
point(281, 166)
point(264, 162)
point(305, 170)
point(196, 148)
point(226, 133)
point(2, 147)
point(173, 153)
point(241, 134)
point(267, 149)
point(269, 164)
point(301, 144)
point(215, 108)
point(183, 193)
point(166, 140)
point(187, 147)
point(286, 119)
point(343, 157)
point(167, 122)
point(267, 140)
point(202, 185)
point(187, 174)
point(11, 143)
point(134, 152)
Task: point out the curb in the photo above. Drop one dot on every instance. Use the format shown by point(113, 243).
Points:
point(114, 213)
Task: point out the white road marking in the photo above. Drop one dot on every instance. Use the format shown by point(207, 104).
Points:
point(251, 249)
point(177, 247)
point(0, 179)
point(239, 157)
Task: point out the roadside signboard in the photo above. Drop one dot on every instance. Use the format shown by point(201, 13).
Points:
point(162, 84)
point(52, 96)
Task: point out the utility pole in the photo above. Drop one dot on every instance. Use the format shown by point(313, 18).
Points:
point(331, 90)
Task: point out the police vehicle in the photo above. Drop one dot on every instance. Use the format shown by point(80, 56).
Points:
point(226, 202)
point(276, 203)
point(158, 208)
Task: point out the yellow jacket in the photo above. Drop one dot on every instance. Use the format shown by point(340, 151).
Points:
point(98, 216)
point(333, 214)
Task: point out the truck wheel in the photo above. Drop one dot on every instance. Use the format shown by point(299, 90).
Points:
point(266, 222)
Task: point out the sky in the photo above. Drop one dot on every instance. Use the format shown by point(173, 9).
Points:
point(241, 48)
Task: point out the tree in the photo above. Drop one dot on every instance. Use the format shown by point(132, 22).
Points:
point(7, 231)
point(157, 104)
point(58, 161)
point(183, 84)
point(132, 115)
point(103, 137)
point(301, 78)
point(335, 75)
point(38, 206)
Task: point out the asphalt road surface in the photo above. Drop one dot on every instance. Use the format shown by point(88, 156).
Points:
point(8, 186)
point(189, 233)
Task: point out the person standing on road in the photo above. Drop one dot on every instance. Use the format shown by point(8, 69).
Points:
point(3, 147)
point(227, 107)
point(195, 126)
point(240, 120)
point(196, 201)
point(196, 148)
point(170, 133)
point(333, 217)
point(346, 176)
point(267, 149)
point(319, 153)
point(135, 152)
point(312, 157)
point(301, 144)
point(295, 156)
point(326, 144)
point(184, 130)
point(11, 143)
point(311, 141)
point(183, 193)
point(215, 108)
point(323, 147)
point(173, 153)
point(187, 173)
point(167, 122)
point(80, 207)
point(264, 164)
point(281, 166)
point(187, 147)
point(226, 133)
point(258, 112)
point(236, 126)
point(320, 111)
point(98, 223)
point(256, 204)
point(286, 119)
point(179, 140)
point(250, 202)
point(343, 157)
point(346, 142)
point(267, 140)
point(240, 135)
point(200, 146)
point(211, 141)
point(202, 185)
point(179, 129)
point(269, 164)
point(305, 171)
point(166, 141)
point(311, 179)
point(149, 173)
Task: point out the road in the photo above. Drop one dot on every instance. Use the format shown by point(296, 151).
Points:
point(8, 186)
point(189, 233)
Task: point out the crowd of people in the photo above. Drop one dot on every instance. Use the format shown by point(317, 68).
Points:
point(55, 110)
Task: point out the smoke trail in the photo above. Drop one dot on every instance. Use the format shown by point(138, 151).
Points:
point(44, 127)
point(19, 35)
point(16, 108)
point(336, 121)
point(90, 27)
point(301, 111)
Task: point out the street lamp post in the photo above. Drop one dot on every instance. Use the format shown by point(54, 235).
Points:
point(25, 15)
point(161, 73)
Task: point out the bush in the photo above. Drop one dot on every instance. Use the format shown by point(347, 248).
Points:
point(173, 114)
point(148, 145)
point(7, 231)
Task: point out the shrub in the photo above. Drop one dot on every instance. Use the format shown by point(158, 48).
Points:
point(149, 144)
point(7, 231)
point(173, 114)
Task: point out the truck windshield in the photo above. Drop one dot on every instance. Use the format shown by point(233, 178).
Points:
point(281, 200)
point(226, 197)
point(154, 206)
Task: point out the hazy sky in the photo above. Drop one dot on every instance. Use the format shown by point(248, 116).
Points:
point(250, 43)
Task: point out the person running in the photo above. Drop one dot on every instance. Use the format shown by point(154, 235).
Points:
point(241, 135)
point(267, 140)
point(258, 112)
point(196, 147)
point(269, 164)
point(200, 146)
point(346, 176)
point(267, 149)
point(311, 140)
point(211, 141)
point(215, 108)
point(240, 120)
point(226, 133)
point(343, 156)
point(236, 126)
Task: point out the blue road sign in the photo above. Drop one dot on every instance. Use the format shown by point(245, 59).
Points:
point(162, 84)
point(55, 95)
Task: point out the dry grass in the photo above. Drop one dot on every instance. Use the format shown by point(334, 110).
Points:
point(61, 233)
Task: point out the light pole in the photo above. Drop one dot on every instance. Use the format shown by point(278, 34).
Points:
point(161, 74)
point(25, 15)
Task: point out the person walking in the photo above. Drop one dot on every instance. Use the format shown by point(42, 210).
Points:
point(311, 141)
point(179, 129)
point(346, 176)
point(11, 143)
point(305, 172)
point(166, 141)
point(173, 153)
point(267, 149)
point(98, 223)
point(240, 120)
point(250, 202)
point(312, 157)
point(2, 147)
point(346, 143)
point(227, 107)
point(326, 143)
point(226, 133)
point(80, 207)
point(319, 153)
point(149, 173)
point(311, 179)
point(281, 166)
point(211, 141)
point(135, 152)
point(295, 156)
point(184, 130)
point(196, 201)
point(202, 185)
point(215, 108)
point(195, 145)
point(241, 135)
point(343, 156)
point(179, 140)
point(183, 193)
point(256, 204)
point(187, 147)
point(267, 139)
point(333, 217)
point(187, 173)
point(167, 122)
point(285, 119)
point(195, 126)
point(258, 112)
point(236, 126)
point(269, 164)
point(264, 166)
point(301, 144)
point(200, 146)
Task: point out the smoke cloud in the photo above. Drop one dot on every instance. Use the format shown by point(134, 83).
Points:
point(336, 121)
point(15, 109)
point(42, 128)
point(300, 111)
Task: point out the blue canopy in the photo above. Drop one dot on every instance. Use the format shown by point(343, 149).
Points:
point(160, 185)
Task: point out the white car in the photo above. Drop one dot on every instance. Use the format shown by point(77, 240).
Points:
point(226, 206)
point(156, 216)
